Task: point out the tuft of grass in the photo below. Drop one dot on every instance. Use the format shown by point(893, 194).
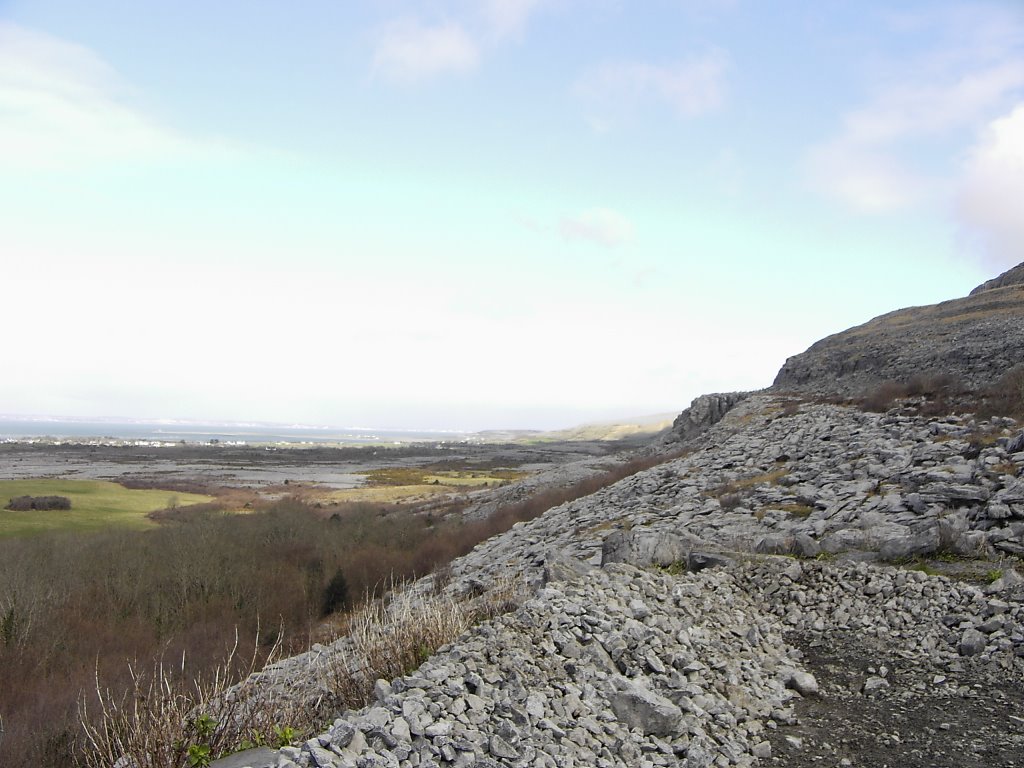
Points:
point(623, 523)
point(678, 568)
point(393, 637)
point(923, 566)
point(796, 510)
point(744, 484)
point(993, 575)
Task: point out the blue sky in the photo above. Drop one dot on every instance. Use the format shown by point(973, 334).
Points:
point(500, 213)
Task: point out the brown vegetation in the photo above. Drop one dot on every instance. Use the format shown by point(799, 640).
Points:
point(74, 609)
point(934, 395)
point(1006, 396)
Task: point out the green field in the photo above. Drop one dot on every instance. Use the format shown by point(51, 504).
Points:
point(95, 505)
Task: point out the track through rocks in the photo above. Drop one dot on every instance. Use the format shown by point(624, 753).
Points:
point(878, 707)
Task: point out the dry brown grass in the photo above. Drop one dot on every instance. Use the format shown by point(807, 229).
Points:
point(171, 718)
point(389, 638)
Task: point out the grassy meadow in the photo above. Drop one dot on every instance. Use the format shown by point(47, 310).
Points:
point(96, 505)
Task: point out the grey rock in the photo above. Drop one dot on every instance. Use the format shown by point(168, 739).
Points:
point(910, 545)
point(645, 547)
point(260, 757)
point(874, 684)
point(501, 748)
point(639, 707)
point(972, 642)
point(802, 682)
point(705, 411)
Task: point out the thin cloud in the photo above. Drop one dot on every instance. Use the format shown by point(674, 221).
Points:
point(691, 87)
point(992, 188)
point(598, 225)
point(410, 52)
point(864, 165)
point(63, 107)
point(508, 18)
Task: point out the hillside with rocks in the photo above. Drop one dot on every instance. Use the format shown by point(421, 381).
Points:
point(808, 583)
point(973, 340)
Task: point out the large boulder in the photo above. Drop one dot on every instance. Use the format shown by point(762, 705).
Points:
point(639, 707)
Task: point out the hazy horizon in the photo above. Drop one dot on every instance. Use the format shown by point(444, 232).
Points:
point(483, 215)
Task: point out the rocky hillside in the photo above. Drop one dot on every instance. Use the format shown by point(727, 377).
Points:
point(974, 339)
point(803, 584)
point(733, 605)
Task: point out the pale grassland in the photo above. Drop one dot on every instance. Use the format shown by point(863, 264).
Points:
point(95, 505)
point(394, 484)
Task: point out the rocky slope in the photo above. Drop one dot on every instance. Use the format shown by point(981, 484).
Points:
point(771, 596)
point(730, 654)
point(974, 339)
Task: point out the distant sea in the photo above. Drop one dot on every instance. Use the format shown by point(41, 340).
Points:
point(196, 432)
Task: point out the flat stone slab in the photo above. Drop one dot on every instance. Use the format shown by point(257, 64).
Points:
point(260, 757)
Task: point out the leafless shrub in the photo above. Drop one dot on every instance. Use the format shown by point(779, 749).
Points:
point(884, 396)
point(1006, 396)
point(171, 719)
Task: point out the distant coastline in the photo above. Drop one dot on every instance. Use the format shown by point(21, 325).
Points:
point(155, 433)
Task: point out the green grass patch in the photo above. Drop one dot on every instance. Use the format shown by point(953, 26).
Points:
point(402, 476)
point(95, 505)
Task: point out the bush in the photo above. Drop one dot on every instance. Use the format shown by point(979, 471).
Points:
point(1006, 396)
point(25, 503)
point(335, 594)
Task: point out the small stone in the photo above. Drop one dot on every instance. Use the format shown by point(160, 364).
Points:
point(501, 748)
point(763, 750)
point(873, 684)
point(440, 728)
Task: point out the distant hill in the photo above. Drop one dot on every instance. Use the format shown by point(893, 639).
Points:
point(614, 429)
point(622, 429)
point(975, 339)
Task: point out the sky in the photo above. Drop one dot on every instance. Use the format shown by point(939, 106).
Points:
point(474, 214)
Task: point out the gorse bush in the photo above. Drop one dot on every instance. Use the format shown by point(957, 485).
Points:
point(335, 594)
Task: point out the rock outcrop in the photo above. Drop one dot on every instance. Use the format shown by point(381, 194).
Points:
point(1014, 276)
point(975, 340)
point(705, 411)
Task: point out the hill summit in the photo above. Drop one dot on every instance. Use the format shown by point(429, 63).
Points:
point(974, 340)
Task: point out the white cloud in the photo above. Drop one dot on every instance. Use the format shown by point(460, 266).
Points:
point(598, 225)
point(690, 87)
point(991, 193)
point(958, 88)
point(866, 178)
point(408, 51)
point(63, 106)
point(508, 17)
